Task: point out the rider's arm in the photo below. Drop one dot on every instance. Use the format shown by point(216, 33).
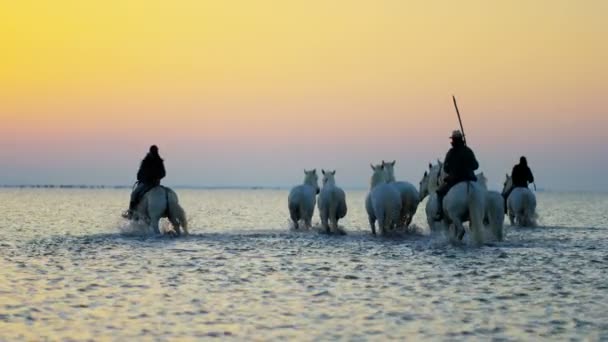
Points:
point(140, 172)
point(474, 162)
point(162, 170)
point(447, 162)
point(530, 176)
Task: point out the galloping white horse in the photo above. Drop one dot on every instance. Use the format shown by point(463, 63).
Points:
point(465, 201)
point(161, 202)
point(302, 199)
point(521, 205)
point(409, 195)
point(383, 202)
point(495, 209)
point(332, 203)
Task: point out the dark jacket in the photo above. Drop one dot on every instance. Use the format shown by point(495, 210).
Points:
point(521, 176)
point(151, 170)
point(460, 163)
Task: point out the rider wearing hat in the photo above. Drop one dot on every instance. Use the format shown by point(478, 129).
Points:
point(459, 165)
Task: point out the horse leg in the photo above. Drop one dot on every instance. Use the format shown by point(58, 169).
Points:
point(333, 224)
point(403, 219)
point(372, 224)
point(382, 225)
point(308, 219)
point(459, 229)
point(333, 217)
point(409, 216)
point(294, 215)
point(154, 225)
point(324, 224)
point(175, 225)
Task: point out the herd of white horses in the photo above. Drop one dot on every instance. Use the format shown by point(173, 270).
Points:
point(390, 205)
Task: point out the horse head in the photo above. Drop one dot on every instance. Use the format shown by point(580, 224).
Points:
point(329, 177)
point(482, 180)
point(378, 175)
point(311, 178)
point(389, 168)
point(424, 185)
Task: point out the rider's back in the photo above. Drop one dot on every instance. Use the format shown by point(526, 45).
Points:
point(460, 163)
point(521, 175)
point(152, 169)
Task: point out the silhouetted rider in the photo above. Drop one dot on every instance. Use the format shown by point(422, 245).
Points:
point(151, 171)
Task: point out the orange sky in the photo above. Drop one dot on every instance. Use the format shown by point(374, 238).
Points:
point(240, 81)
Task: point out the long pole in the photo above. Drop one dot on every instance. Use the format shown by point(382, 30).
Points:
point(464, 137)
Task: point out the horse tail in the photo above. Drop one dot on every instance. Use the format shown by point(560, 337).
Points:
point(342, 207)
point(294, 210)
point(476, 204)
point(412, 203)
point(380, 213)
point(176, 212)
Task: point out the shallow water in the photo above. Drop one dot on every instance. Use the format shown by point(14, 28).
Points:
point(67, 273)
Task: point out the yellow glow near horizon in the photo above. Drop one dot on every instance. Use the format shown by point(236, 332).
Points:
point(67, 63)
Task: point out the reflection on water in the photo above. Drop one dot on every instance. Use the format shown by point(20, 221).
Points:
point(67, 273)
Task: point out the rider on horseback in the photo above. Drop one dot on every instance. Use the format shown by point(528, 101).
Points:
point(151, 171)
point(521, 176)
point(460, 165)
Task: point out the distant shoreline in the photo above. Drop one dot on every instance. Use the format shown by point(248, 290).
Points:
point(219, 187)
point(85, 186)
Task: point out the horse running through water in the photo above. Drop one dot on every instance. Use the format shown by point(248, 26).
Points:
point(332, 203)
point(302, 199)
point(521, 205)
point(161, 202)
point(383, 202)
point(408, 192)
point(465, 201)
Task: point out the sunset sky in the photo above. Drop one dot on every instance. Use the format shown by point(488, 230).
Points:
point(252, 92)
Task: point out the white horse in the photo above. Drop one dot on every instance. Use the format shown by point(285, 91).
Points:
point(160, 202)
point(428, 187)
point(302, 199)
point(495, 208)
point(521, 205)
point(409, 195)
point(383, 202)
point(464, 201)
point(332, 203)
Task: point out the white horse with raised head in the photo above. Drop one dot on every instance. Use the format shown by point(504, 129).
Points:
point(409, 195)
point(302, 199)
point(383, 202)
point(161, 202)
point(521, 204)
point(332, 203)
point(495, 210)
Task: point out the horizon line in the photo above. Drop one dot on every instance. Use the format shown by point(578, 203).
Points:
point(217, 187)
